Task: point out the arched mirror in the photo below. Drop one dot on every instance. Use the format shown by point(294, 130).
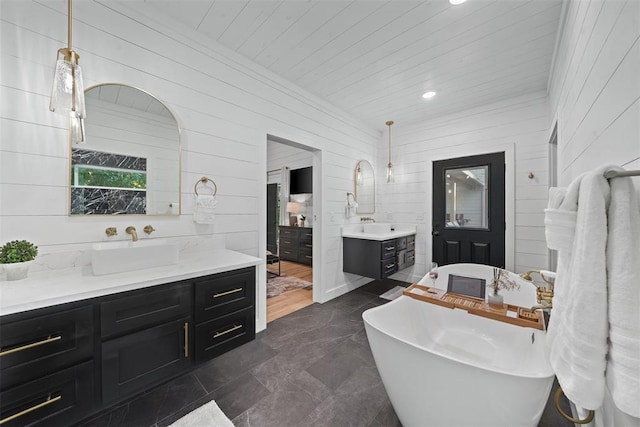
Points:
point(130, 163)
point(365, 187)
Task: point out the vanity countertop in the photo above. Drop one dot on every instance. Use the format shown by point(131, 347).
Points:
point(48, 288)
point(355, 233)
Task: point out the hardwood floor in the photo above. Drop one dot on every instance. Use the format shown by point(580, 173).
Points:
point(291, 301)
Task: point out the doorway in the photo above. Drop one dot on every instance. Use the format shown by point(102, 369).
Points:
point(468, 218)
point(291, 225)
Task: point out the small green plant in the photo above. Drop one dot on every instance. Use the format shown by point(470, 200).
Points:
point(17, 251)
point(302, 217)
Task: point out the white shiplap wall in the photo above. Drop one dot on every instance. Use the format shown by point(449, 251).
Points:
point(595, 98)
point(518, 126)
point(224, 104)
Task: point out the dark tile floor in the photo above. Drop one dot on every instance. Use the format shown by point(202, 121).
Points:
point(310, 368)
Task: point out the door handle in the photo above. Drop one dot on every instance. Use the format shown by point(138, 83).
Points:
point(435, 233)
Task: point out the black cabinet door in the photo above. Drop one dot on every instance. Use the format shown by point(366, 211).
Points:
point(59, 399)
point(134, 362)
point(35, 344)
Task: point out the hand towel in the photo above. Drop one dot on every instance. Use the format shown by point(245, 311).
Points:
point(204, 211)
point(578, 326)
point(623, 269)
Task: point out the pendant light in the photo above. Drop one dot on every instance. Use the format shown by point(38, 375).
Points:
point(389, 165)
point(67, 95)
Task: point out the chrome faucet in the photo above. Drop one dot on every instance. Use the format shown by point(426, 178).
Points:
point(544, 294)
point(134, 234)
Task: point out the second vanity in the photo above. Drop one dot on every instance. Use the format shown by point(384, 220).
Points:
point(377, 250)
point(76, 344)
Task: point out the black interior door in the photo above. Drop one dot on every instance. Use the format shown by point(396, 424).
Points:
point(468, 222)
point(272, 218)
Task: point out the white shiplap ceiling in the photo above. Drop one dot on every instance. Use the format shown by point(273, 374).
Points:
point(375, 58)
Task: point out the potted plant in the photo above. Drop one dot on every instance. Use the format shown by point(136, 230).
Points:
point(501, 280)
point(16, 256)
point(302, 219)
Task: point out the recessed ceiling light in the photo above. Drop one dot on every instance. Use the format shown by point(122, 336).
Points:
point(428, 95)
point(456, 2)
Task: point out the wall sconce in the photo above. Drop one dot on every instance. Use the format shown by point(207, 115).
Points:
point(389, 165)
point(67, 95)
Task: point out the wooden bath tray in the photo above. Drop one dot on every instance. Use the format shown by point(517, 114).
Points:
point(519, 316)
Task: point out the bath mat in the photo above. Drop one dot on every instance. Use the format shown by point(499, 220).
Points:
point(209, 415)
point(393, 293)
point(283, 283)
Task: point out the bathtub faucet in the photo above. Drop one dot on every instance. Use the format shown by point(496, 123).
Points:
point(544, 294)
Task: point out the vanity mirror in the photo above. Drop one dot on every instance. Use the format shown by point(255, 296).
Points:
point(364, 187)
point(130, 163)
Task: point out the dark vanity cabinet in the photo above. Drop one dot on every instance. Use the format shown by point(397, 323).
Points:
point(377, 259)
point(296, 244)
point(47, 366)
point(61, 364)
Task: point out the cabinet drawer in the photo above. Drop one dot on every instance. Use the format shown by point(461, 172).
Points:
point(387, 267)
point(411, 243)
point(224, 333)
point(224, 293)
point(288, 243)
point(34, 346)
point(401, 243)
point(305, 256)
point(61, 398)
point(288, 232)
point(139, 309)
point(411, 258)
point(306, 235)
point(388, 249)
point(289, 254)
point(137, 361)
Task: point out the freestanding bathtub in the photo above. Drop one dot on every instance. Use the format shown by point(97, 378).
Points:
point(446, 367)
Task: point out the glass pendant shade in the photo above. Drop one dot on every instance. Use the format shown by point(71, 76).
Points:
point(389, 173)
point(67, 94)
point(359, 176)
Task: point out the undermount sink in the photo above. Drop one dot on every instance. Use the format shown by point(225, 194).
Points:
point(376, 228)
point(117, 257)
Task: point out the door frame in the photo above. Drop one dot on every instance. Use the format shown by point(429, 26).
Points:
point(509, 192)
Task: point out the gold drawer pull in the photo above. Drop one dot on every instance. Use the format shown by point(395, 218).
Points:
point(49, 401)
point(390, 248)
point(389, 266)
point(309, 246)
point(219, 334)
point(308, 256)
point(33, 344)
point(232, 291)
point(186, 339)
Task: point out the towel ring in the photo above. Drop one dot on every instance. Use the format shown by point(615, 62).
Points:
point(556, 400)
point(204, 181)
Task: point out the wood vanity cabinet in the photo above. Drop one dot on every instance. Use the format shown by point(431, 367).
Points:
point(47, 365)
point(61, 364)
point(296, 244)
point(377, 259)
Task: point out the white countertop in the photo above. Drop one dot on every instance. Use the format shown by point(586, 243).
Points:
point(47, 288)
point(357, 233)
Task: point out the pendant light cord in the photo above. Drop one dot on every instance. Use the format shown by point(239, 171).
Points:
point(389, 123)
point(69, 24)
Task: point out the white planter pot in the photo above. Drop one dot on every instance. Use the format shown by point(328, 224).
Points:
point(17, 270)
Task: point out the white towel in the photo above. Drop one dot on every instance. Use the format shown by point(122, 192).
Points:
point(578, 327)
point(623, 269)
point(204, 210)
